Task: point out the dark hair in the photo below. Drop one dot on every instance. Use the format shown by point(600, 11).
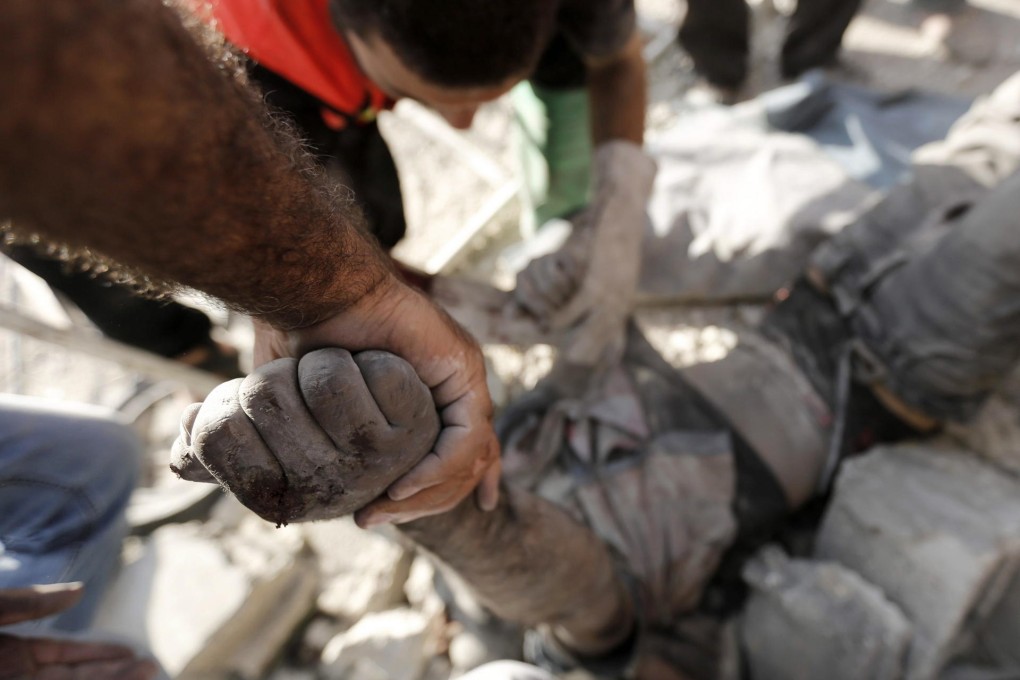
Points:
point(456, 43)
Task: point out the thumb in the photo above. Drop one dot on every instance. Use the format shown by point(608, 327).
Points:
point(36, 602)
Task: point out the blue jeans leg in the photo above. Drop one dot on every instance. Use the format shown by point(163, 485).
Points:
point(66, 475)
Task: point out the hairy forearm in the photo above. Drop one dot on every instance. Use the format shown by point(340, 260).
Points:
point(618, 90)
point(121, 134)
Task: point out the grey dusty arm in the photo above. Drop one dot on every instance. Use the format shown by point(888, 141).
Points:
point(530, 562)
point(323, 436)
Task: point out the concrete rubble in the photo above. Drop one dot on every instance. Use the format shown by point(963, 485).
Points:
point(829, 619)
point(236, 597)
point(390, 645)
point(915, 575)
point(215, 599)
point(362, 571)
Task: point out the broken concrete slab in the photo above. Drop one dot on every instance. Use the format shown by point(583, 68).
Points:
point(390, 645)
point(807, 620)
point(210, 604)
point(362, 571)
point(174, 593)
point(247, 646)
point(938, 531)
point(259, 547)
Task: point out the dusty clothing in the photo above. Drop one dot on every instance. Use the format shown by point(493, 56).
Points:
point(716, 33)
point(646, 462)
point(928, 278)
point(792, 198)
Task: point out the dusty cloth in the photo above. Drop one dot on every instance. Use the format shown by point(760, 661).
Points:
point(744, 194)
point(928, 278)
point(648, 467)
point(647, 462)
point(737, 209)
point(871, 134)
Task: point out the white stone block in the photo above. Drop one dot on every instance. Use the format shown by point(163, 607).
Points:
point(807, 620)
point(390, 645)
point(362, 571)
point(938, 531)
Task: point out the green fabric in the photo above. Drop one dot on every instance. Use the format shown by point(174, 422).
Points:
point(556, 148)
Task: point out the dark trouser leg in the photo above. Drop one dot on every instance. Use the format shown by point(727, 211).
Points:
point(945, 325)
point(161, 327)
point(716, 33)
point(814, 34)
point(922, 287)
point(356, 155)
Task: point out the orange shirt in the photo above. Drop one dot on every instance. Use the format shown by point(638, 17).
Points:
point(296, 40)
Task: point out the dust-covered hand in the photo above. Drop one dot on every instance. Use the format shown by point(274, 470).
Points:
point(23, 658)
point(310, 439)
point(439, 366)
point(588, 286)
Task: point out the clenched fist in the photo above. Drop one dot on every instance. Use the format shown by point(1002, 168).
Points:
point(310, 438)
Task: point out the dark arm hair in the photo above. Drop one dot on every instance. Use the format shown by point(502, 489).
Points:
point(124, 133)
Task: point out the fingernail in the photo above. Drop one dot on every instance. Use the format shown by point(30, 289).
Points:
point(399, 493)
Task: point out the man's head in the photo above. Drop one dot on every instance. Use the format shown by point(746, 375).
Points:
point(451, 55)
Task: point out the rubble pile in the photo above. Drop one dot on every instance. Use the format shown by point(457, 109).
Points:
point(915, 575)
point(237, 597)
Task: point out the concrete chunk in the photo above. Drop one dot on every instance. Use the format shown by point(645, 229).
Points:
point(807, 620)
point(212, 601)
point(362, 571)
point(938, 531)
point(174, 593)
point(391, 645)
